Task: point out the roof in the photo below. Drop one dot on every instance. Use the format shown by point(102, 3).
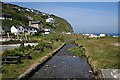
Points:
point(6, 28)
point(36, 22)
point(30, 27)
point(6, 15)
point(16, 27)
point(29, 18)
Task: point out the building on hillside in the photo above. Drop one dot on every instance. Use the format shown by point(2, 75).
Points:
point(45, 31)
point(5, 16)
point(29, 18)
point(23, 29)
point(50, 20)
point(30, 29)
point(17, 30)
point(36, 24)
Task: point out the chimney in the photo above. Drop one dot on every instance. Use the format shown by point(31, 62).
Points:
point(30, 22)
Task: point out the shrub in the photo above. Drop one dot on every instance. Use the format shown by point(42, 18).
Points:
point(78, 51)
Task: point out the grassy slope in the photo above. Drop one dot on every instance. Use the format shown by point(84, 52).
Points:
point(20, 19)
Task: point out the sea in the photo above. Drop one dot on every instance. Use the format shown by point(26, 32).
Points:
point(109, 34)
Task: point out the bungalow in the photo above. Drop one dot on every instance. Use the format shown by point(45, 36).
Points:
point(36, 24)
point(50, 20)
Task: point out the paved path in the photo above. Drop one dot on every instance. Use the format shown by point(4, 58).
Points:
point(64, 65)
point(13, 46)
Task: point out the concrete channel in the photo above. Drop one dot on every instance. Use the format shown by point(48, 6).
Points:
point(64, 65)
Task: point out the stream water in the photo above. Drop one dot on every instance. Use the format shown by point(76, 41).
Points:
point(64, 65)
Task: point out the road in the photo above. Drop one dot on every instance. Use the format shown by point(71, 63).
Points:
point(64, 65)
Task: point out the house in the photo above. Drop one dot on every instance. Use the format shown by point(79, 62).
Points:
point(36, 12)
point(50, 20)
point(102, 35)
point(17, 30)
point(45, 31)
point(23, 29)
point(30, 29)
point(6, 30)
point(36, 24)
point(86, 34)
point(5, 16)
point(93, 35)
point(43, 14)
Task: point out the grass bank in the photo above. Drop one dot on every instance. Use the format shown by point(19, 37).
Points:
point(79, 51)
point(102, 52)
point(14, 70)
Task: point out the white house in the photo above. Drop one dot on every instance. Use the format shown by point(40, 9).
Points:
point(86, 34)
point(93, 35)
point(102, 35)
point(46, 31)
point(17, 29)
point(50, 20)
point(43, 14)
point(23, 29)
point(30, 29)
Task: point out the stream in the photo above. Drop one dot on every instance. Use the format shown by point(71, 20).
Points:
point(64, 65)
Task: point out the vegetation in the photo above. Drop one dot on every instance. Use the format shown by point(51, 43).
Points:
point(79, 51)
point(102, 52)
point(17, 69)
point(16, 42)
point(20, 18)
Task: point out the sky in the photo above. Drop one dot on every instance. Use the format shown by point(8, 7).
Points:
point(85, 17)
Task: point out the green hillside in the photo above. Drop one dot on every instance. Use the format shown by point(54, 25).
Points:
point(20, 17)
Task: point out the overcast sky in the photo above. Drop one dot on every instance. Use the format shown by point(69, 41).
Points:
point(85, 17)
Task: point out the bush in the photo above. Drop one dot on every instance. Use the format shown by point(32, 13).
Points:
point(28, 47)
point(78, 51)
point(11, 42)
point(11, 53)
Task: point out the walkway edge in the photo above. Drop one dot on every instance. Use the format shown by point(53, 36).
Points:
point(33, 67)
